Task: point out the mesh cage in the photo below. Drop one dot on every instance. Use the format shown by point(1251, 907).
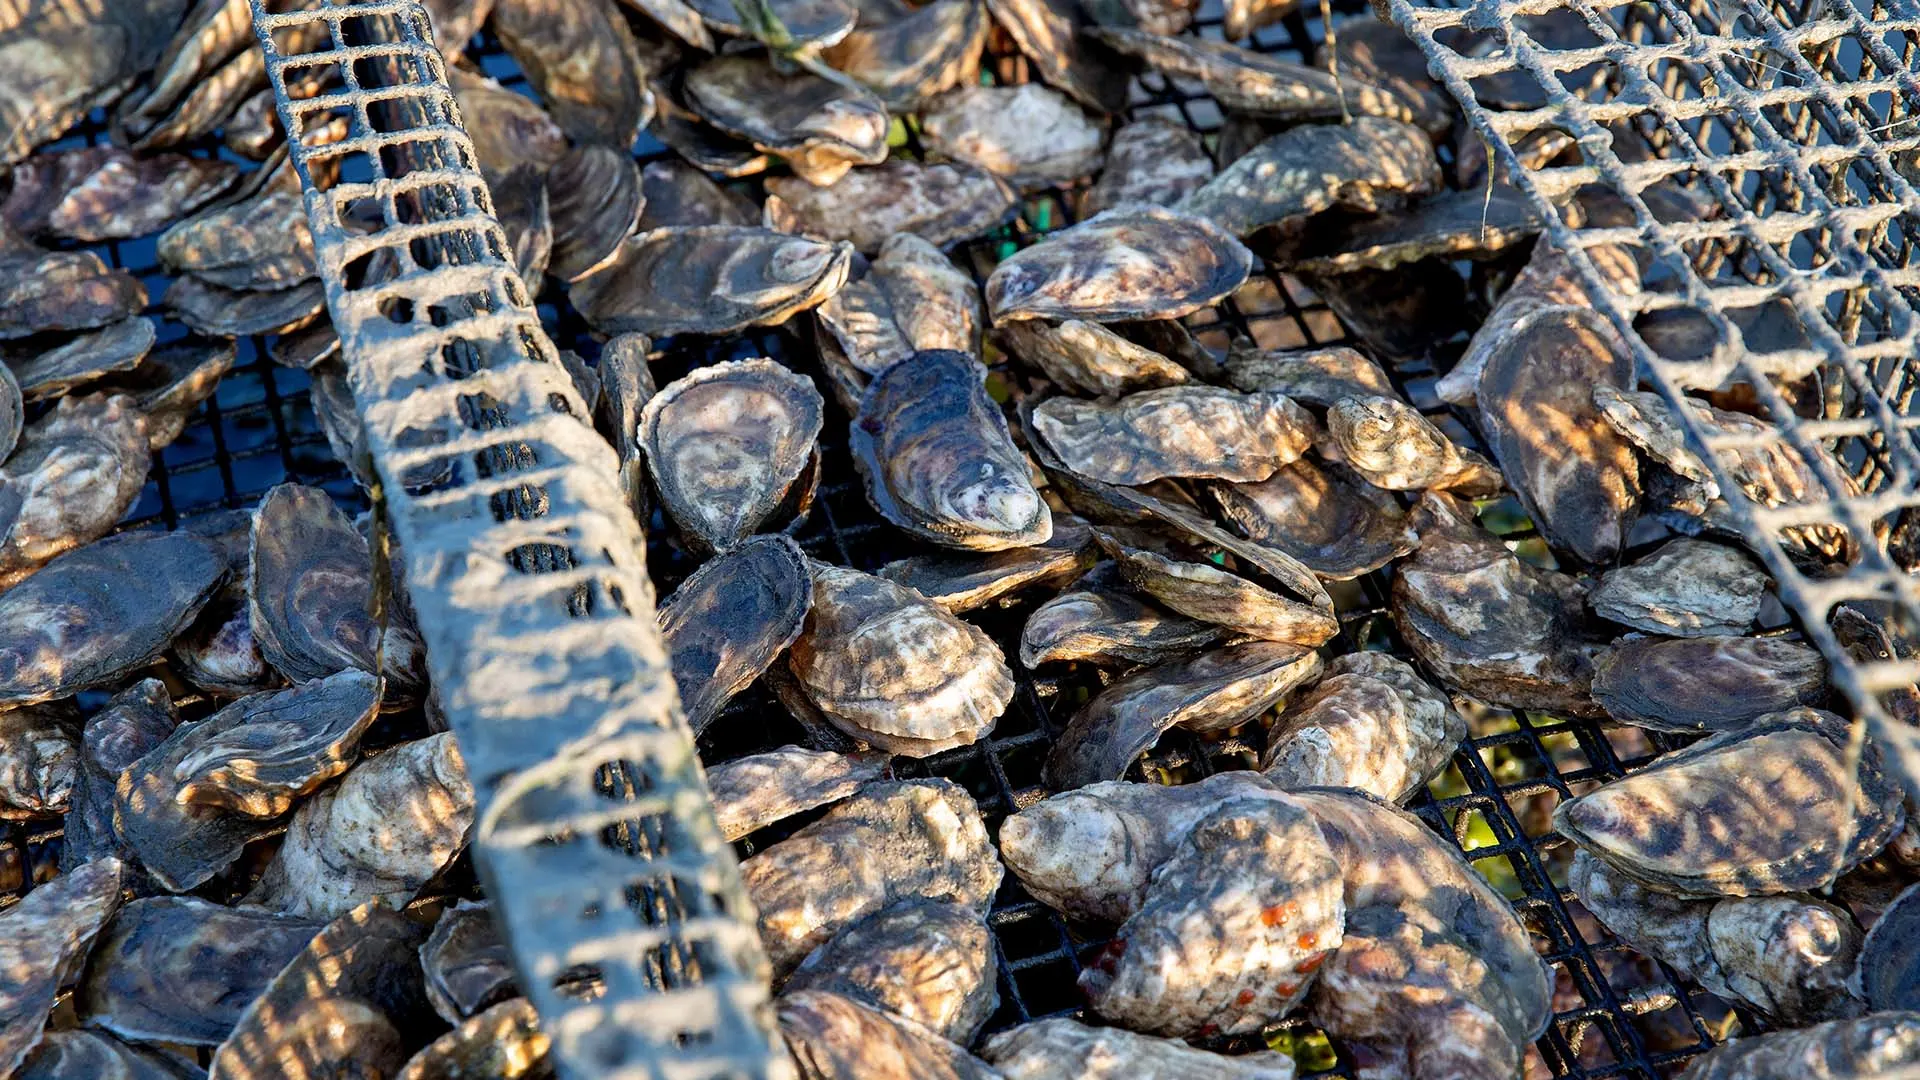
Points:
point(1794, 122)
point(594, 832)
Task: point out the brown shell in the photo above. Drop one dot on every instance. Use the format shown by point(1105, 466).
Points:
point(44, 291)
point(467, 966)
point(83, 359)
point(1707, 683)
point(39, 759)
point(1337, 525)
point(520, 202)
point(94, 1055)
point(1477, 224)
point(594, 201)
point(258, 755)
point(1034, 136)
point(43, 942)
point(503, 1043)
point(832, 1037)
point(1088, 358)
point(755, 791)
point(675, 193)
point(907, 59)
point(1062, 1048)
point(1373, 724)
point(784, 25)
point(261, 242)
point(942, 203)
point(508, 129)
point(1253, 83)
point(222, 312)
point(820, 127)
point(1047, 33)
point(890, 667)
point(1207, 592)
point(710, 279)
point(729, 622)
point(1883, 1043)
point(76, 472)
point(172, 381)
point(929, 961)
point(1100, 620)
point(1392, 446)
point(581, 59)
point(1136, 262)
point(70, 59)
point(1688, 588)
point(1315, 377)
point(1367, 166)
point(1889, 973)
point(1178, 431)
point(1150, 160)
point(133, 722)
point(963, 582)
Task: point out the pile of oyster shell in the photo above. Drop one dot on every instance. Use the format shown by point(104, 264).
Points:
point(260, 874)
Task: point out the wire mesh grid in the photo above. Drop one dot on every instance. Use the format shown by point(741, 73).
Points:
point(1617, 1013)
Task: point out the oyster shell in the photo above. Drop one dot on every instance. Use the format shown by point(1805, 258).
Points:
point(1882, 1044)
point(178, 969)
point(311, 574)
point(503, 1043)
point(1252, 83)
point(910, 56)
point(727, 443)
point(677, 18)
point(785, 26)
point(307, 348)
point(702, 145)
point(259, 754)
point(1062, 1048)
point(468, 969)
point(45, 291)
point(1889, 973)
point(675, 193)
point(76, 472)
point(581, 59)
point(520, 202)
point(1336, 525)
point(1150, 160)
point(1489, 625)
point(93, 1055)
point(388, 826)
point(1773, 807)
point(1475, 224)
point(890, 667)
point(43, 944)
point(833, 1037)
point(1373, 724)
point(1100, 621)
point(13, 413)
point(508, 129)
point(98, 613)
point(1246, 908)
point(731, 620)
point(59, 59)
point(1137, 262)
point(1382, 54)
point(259, 242)
point(39, 759)
point(890, 841)
point(708, 279)
point(1034, 136)
point(755, 791)
point(1088, 358)
point(1367, 166)
point(1392, 446)
point(821, 128)
point(595, 198)
point(939, 461)
point(943, 204)
point(1209, 694)
point(171, 382)
point(926, 960)
point(1048, 34)
point(106, 193)
point(133, 722)
point(1177, 431)
point(1201, 590)
point(910, 298)
point(222, 312)
point(960, 582)
point(1399, 314)
point(1707, 683)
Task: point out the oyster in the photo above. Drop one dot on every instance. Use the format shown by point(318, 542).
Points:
point(520, 202)
point(1787, 956)
point(1337, 525)
point(307, 348)
point(60, 59)
point(39, 759)
point(942, 204)
point(594, 201)
point(347, 997)
point(468, 969)
point(581, 58)
point(93, 1055)
point(390, 824)
point(1177, 431)
point(1062, 1048)
point(709, 279)
point(753, 792)
point(1034, 136)
point(1451, 224)
point(133, 722)
point(222, 312)
point(311, 575)
point(728, 443)
point(1252, 83)
point(731, 620)
point(259, 754)
point(819, 127)
point(504, 1042)
point(1577, 477)
point(260, 242)
point(1049, 34)
point(675, 193)
point(1889, 973)
point(910, 298)
point(1882, 1044)
point(833, 1037)
point(43, 944)
point(963, 582)
point(1772, 807)
point(1201, 590)
point(1088, 358)
point(929, 961)
point(177, 969)
point(1392, 446)
point(626, 385)
point(45, 291)
point(677, 18)
point(786, 27)
point(1381, 54)
point(913, 54)
point(76, 472)
point(1151, 160)
point(1491, 626)
point(1099, 620)
point(702, 145)
point(508, 129)
point(1706, 683)
point(1367, 166)
point(1373, 724)
point(1212, 693)
point(938, 459)
point(1398, 314)
point(1137, 262)
point(171, 382)
point(889, 842)
point(98, 613)
point(1247, 906)
point(890, 667)
point(13, 413)
point(106, 193)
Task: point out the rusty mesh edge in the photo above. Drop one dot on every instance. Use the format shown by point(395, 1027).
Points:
point(1851, 267)
point(594, 834)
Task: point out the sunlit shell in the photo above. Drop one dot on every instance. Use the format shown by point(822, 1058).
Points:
point(1254, 83)
point(594, 201)
point(1382, 54)
point(580, 58)
point(890, 667)
point(1688, 588)
point(178, 969)
point(467, 966)
point(941, 203)
point(222, 312)
point(1771, 807)
point(262, 242)
point(926, 960)
point(98, 613)
point(39, 759)
point(726, 443)
point(1034, 136)
point(1047, 33)
point(784, 25)
point(1101, 621)
point(925, 50)
point(1712, 683)
point(1372, 724)
point(1366, 166)
point(306, 348)
point(1209, 694)
point(910, 298)
point(699, 143)
point(1088, 358)
point(77, 471)
point(1150, 160)
point(831, 1037)
point(675, 193)
point(1062, 1048)
point(389, 825)
point(677, 18)
point(938, 458)
point(1392, 446)
point(821, 128)
point(1206, 592)
point(1451, 224)
point(171, 382)
point(43, 944)
point(1883, 1044)
point(752, 792)
point(963, 582)
point(503, 1043)
point(731, 620)
point(1337, 525)
point(1889, 973)
point(1137, 262)
point(105, 193)
point(508, 129)
point(95, 1055)
point(1177, 431)
point(44, 291)
point(259, 754)
point(212, 33)
point(712, 279)
point(133, 722)
point(66, 58)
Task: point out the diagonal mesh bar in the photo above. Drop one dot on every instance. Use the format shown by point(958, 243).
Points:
point(1794, 125)
point(594, 834)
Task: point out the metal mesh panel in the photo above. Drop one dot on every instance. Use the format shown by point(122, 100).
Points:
point(1793, 121)
point(594, 831)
